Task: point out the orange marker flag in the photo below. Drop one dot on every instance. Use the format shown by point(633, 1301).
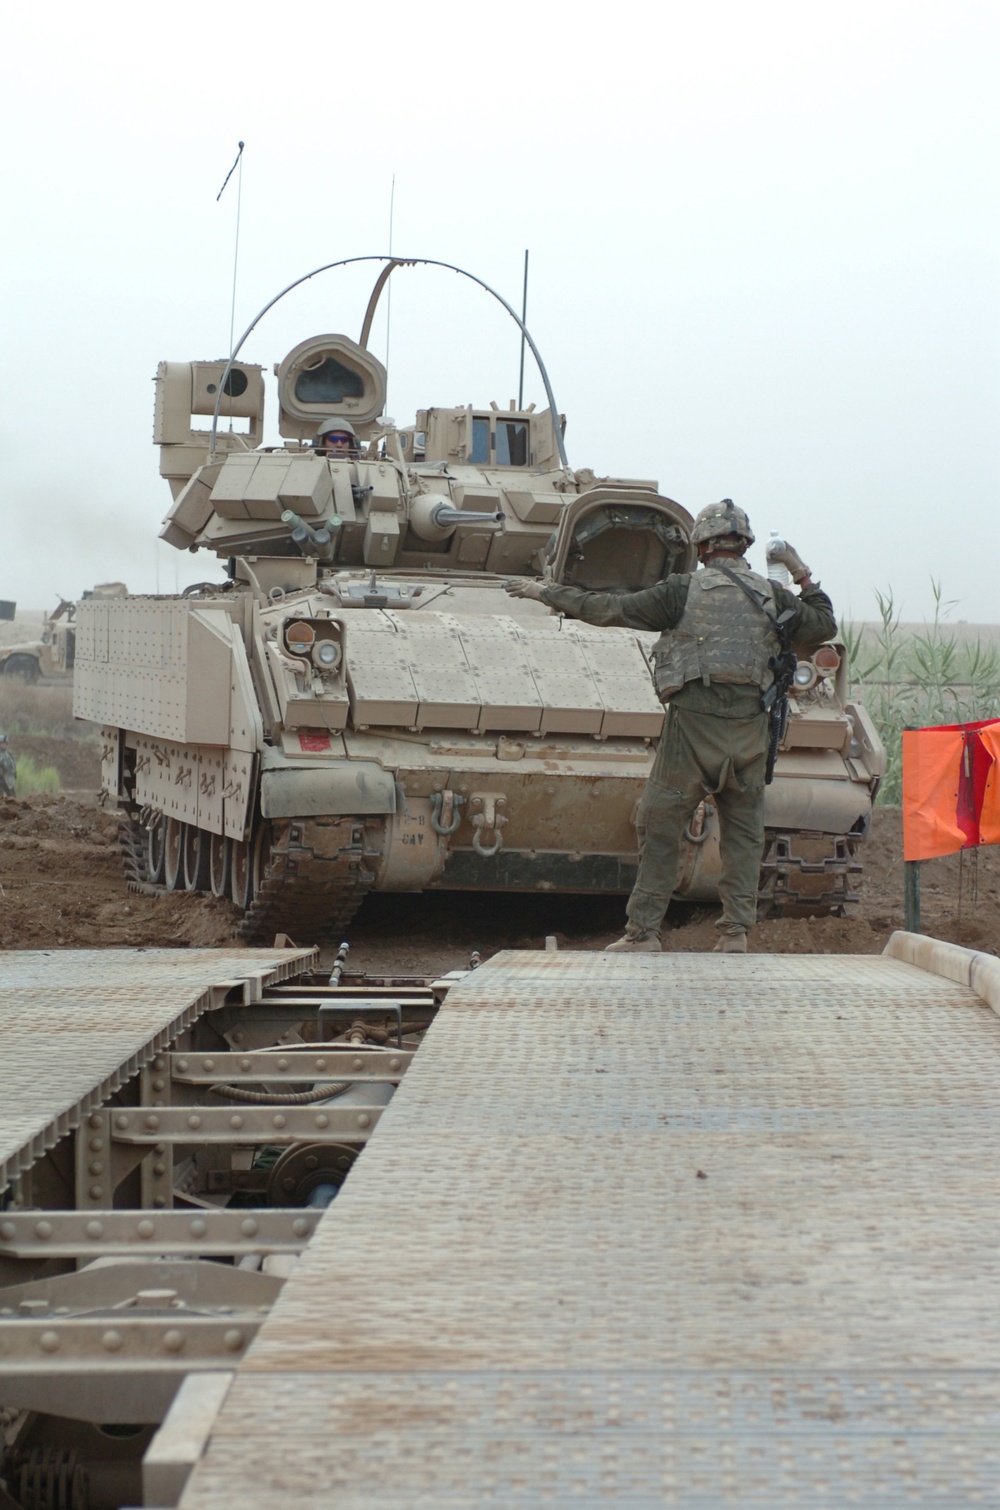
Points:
point(951, 788)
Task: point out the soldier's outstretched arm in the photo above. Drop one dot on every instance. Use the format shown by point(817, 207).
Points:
point(658, 607)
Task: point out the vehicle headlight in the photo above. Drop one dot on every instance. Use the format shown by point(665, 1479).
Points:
point(299, 636)
point(326, 655)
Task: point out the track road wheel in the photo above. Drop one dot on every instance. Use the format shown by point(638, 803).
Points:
point(220, 865)
point(196, 844)
point(260, 854)
point(173, 854)
point(23, 668)
point(249, 866)
point(155, 846)
point(241, 875)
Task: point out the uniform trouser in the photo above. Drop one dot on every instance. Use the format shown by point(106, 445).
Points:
point(701, 755)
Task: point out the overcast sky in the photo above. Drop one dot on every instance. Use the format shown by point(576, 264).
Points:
point(763, 248)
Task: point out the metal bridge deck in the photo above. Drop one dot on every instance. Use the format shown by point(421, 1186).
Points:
point(677, 1230)
point(76, 1023)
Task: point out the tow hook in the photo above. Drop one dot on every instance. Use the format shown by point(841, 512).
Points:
point(446, 811)
point(487, 821)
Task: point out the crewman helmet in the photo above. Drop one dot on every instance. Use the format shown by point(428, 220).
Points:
point(334, 426)
point(719, 520)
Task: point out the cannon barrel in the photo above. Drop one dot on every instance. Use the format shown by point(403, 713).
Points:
point(445, 516)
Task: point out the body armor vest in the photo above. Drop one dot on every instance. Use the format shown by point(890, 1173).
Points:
point(721, 636)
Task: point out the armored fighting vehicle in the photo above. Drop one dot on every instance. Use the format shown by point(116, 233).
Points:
point(357, 705)
point(53, 654)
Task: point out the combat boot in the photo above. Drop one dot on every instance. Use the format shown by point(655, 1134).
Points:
point(635, 943)
point(731, 943)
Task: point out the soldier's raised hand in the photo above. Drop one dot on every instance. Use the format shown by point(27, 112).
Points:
point(787, 555)
point(524, 587)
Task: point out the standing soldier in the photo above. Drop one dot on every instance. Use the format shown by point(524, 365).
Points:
point(720, 631)
point(8, 769)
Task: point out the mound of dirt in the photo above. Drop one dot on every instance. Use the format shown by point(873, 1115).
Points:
point(62, 887)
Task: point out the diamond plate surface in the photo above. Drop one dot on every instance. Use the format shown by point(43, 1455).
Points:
point(75, 1023)
point(679, 1230)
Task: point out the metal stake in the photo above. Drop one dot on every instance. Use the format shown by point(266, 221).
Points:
point(911, 895)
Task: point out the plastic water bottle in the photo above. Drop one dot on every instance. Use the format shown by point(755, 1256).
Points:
point(776, 571)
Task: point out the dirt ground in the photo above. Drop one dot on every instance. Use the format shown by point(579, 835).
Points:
point(61, 887)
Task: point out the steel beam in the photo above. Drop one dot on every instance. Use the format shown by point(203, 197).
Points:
point(245, 1124)
point(297, 1063)
point(222, 1233)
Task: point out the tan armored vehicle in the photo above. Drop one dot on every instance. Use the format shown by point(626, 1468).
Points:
point(359, 706)
point(52, 655)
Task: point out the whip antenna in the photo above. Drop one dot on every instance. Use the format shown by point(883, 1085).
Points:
point(388, 292)
point(237, 163)
point(524, 320)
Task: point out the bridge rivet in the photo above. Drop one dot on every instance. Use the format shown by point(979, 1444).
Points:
point(159, 1148)
point(112, 1341)
point(322, 1120)
point(94, 1121)
point(394, 1064)
point(173, 1341)
point(43, 1229)
point(248, 1227)
point(198, 1227)
point(95, 1229)
point(159, 1083)
point(159, 1168)
point(145, 1228)
point(121, 1120)
point(95, 1192)
point(49, 1342)
point(232, 1340)
point(300, 1226)
point(95, 1145)
point(152, 1121)
point(363, 1119)
point(159, 1200)
point(182, 1065)
point(358, 1064)
point(8, 1230)
point(278, 1120)
point(96, 1166)
point(245, 1064)
point(208, 1065)
point(321, 1064)
point(282, 1064)
point(236, 1123)
point(194, 1122)
point(159, 1063)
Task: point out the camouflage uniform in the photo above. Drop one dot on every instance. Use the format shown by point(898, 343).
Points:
point(715, 737)
point(8, 772)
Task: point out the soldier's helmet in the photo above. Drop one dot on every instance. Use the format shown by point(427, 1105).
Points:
point(719, 520)
point(334, 426)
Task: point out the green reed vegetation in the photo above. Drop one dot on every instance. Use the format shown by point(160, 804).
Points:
point(32, 777)
point(910, 678)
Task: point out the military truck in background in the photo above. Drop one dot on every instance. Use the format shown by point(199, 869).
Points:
point(53, 654)
point(357, 705)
